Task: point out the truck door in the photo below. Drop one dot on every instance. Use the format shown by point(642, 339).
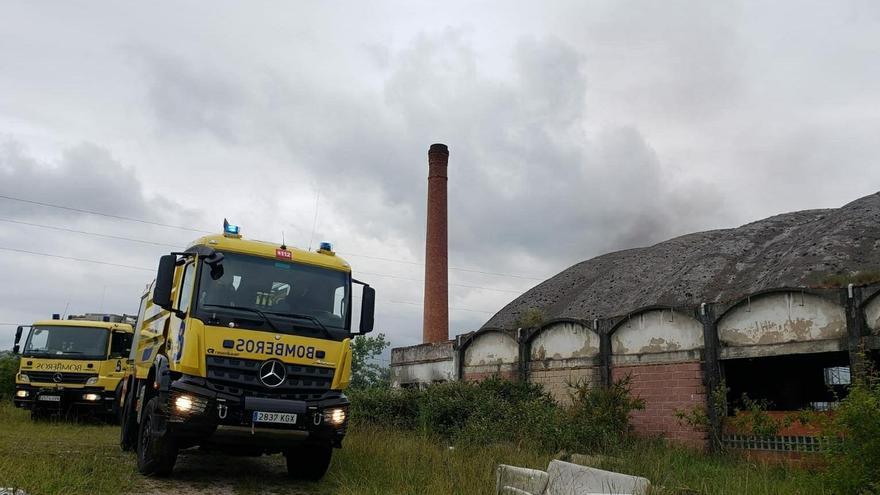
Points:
point(177, 326)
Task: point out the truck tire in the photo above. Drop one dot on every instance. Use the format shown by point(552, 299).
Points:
point(39, 413)
point(128, 427)
point(156, 454)
point(114, 417)
point(308, 462)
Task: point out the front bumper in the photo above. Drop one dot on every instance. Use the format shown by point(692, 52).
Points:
point(87, 398)
point(228, 420)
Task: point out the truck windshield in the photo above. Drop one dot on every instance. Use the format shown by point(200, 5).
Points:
point(65, 342)
point(289, 294)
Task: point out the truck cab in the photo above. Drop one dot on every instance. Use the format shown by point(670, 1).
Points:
point(72, 366)
point(243, 347)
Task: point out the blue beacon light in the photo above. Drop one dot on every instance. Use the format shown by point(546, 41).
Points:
point(326, 246)
point(230, 230)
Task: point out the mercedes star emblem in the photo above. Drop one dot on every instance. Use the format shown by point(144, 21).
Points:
point(57, 377)
point(272, 373)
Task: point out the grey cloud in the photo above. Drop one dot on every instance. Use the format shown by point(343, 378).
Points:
point(575, 130)
point(526, 177)
point(186, 97)
point(523, 172)
point(85, 176)
point(552, 82)
point(670, 61)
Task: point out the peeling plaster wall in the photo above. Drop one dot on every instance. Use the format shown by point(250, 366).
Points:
point(490, 353)
point(564, 341)
point(872, 315)
point(780, 318)
point(430, 372)
point(424, 363)
point(563, 353)
point(657, 336)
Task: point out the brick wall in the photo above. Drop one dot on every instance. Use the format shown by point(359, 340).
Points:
point(666, 388)
point(555, 381)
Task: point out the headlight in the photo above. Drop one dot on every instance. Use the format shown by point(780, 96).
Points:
point(91, 397)
point(189, 404)
point(21, 394)
point(92, 380)
point(24, 378)
point(184, 403)
point(335, 416)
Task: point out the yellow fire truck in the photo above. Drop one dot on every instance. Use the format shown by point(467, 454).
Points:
point(243, 347)
point(74, 365)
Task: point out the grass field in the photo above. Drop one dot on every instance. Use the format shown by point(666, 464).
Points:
point(65, 458)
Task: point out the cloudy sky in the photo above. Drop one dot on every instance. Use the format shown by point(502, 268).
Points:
point(575, 128)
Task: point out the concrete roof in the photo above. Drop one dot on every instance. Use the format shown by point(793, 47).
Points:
point(798, 249)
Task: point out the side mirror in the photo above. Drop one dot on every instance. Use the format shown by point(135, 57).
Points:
point(164, 281)
point(18, 331)
point(215, 261)
point(368, 308)
point(214, 258)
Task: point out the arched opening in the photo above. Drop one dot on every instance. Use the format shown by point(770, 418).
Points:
point(783, 351)
point(563, 353)
point(660, 351)
point(490, 352)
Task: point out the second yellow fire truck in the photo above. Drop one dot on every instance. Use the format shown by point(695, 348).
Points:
point(73, 365)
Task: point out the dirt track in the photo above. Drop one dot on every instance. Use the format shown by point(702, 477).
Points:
point(198, 473)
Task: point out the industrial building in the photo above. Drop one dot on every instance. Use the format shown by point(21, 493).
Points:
point(784, 310)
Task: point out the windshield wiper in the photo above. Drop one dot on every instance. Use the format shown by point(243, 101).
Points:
point(306, 317)
point(252, 310)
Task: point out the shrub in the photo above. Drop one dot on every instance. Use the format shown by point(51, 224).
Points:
point(753, 418)
point(697, 417)
point(8, 369)
point(532, 317)
point(385, 406)
point(445, 408)
point(486, 411)
point(497, 410)
point(599, 416)
point(853, 448)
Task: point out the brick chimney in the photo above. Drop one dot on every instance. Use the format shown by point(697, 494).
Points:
point(436, 321)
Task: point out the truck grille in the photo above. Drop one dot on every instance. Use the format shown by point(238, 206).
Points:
point(241, 377)
point(50, 377)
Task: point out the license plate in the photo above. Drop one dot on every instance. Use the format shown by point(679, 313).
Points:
point(50, 398)
point(274, 417)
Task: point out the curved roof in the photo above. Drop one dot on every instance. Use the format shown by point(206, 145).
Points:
point(799, 249)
